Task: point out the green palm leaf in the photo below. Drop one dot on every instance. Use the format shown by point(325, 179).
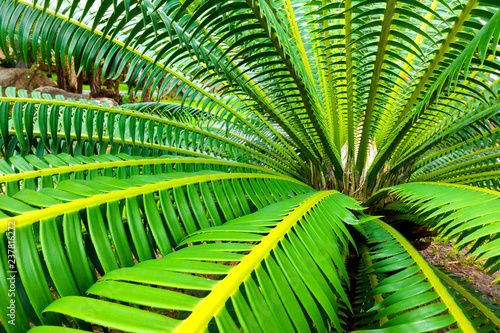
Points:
point(406, 299)
point(283, 256)
point(457, 211)
point(235, 204)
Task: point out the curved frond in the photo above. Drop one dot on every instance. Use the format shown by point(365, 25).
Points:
point(467, 213)
point(401, 291)
point(38, 123)
point(248, 264)
point(122, 220)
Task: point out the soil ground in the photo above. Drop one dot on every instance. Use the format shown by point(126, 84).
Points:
point(457, 262)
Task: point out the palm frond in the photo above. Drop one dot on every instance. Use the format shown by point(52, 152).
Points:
point(466, 213)
point(38, 124)
point(246, 264)
point(399, 290)
point(120, 221)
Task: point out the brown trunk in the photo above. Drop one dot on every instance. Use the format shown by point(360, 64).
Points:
point(117, 91)
point(146, 94)
point(61, 84)
point(159, 97)
point(109, 84)
point(72, 77)
point(95, 83)
point(79, 83)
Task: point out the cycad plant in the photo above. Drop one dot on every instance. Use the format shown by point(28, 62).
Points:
point(278, 194)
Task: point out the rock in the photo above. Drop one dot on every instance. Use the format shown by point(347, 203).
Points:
point(101, 100)
point(56, 91)
point(53, 91)
point(21, 64)
point(18, 77)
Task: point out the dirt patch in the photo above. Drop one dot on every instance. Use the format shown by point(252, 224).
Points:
point(459, 264)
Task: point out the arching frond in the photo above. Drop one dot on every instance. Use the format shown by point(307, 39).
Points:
point(259, 258)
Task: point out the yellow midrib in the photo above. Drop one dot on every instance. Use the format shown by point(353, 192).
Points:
point(298, 38)
point(474, 188)
point(263, 158)
point(452, 170)
point(76, 205)
point(453, 308)
point(450, 38)
point(116, 164)
point(127, 141)
point(409, 58)
point(481, 176)
point(131, 114)
point(491, 316)
point(214, 302)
